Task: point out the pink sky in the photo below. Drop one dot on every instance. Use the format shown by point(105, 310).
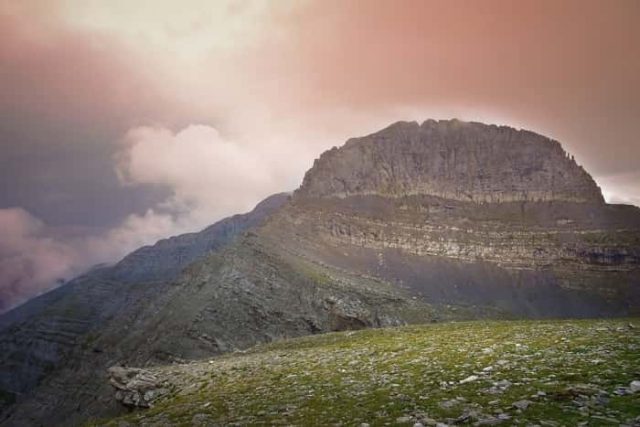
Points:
point(178, 113)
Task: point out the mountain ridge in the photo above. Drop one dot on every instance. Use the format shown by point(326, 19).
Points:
point(381, 255)
point(40, 336)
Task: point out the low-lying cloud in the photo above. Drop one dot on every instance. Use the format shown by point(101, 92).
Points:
point(31, 260)
point(209, 177)
point(208, 174)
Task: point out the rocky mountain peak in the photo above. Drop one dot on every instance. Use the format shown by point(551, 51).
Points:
point(329, 262)
point(452, 159)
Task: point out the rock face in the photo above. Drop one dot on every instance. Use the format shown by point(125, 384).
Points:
point(470, 213)
point(417, 223)
point(453, 160)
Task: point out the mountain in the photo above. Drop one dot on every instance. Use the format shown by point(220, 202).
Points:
point(415, 223)
point(48, 332)
point(453, 160)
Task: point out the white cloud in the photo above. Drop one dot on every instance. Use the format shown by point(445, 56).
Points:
point(31, 260)
point(621, 188)
point(34, 257)
point(209, 177)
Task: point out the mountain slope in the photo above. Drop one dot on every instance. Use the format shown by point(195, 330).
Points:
point(45, 334)
point(416, 223)
point(525, 372)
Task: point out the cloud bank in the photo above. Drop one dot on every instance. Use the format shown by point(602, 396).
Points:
point(209, 177)
point(205, 172)
point(30, 260)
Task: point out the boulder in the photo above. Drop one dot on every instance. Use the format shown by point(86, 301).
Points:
point(136, 387)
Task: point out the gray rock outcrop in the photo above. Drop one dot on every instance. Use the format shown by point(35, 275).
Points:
point(452, 160)
point(135, 387)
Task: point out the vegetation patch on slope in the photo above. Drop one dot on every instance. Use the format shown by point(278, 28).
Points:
point(546, 373)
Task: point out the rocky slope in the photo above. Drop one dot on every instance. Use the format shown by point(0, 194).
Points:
point(166, 259)
point(47, 333)
point(413, 224)
point(549, 373)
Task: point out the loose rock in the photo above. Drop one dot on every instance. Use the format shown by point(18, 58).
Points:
point(522, 404)
point(469, 379)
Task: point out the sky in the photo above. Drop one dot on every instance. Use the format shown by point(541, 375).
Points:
point(124, 122)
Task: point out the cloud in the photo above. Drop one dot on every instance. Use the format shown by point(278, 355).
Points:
point(621, 188)
point(64, 76)
point(209, 177)
point(30, 259)
point(35, 257)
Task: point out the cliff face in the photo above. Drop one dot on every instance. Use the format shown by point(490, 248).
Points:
point(453, 160)
point(472, 213)
point(416, 223)
point(537, 260)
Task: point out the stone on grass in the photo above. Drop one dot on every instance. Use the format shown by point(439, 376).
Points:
point(469, 379)
point(522, 404)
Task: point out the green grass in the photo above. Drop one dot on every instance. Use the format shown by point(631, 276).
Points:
point(568, 370)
